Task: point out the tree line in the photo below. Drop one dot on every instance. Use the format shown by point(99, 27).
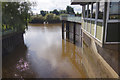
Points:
point(69, 10)
point(51, 16)
point(16, 15)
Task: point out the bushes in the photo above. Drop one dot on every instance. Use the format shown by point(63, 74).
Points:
point(37, 19)
point(50, 18)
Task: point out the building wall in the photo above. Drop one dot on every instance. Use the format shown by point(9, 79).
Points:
point(98, 61)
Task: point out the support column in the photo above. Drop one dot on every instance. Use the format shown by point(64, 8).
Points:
point(74, 31)
point(62, 29)
point(67, 30)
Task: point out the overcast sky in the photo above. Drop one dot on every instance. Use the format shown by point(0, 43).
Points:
point(53, 4)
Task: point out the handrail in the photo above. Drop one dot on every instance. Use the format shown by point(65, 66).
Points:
point(71, 18)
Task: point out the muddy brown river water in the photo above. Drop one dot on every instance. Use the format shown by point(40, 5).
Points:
point(44, 55)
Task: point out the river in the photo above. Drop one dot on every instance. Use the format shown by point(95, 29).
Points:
point(44, 55)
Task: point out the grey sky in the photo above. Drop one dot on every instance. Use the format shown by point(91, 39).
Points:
point(53, 4)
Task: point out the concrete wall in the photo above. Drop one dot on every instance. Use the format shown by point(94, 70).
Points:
point(99, 62)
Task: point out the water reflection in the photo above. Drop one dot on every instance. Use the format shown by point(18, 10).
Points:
point(74, 54)
point(15, 64)
point(46, 55)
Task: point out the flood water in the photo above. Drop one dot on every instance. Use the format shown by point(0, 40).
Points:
point(44, 55)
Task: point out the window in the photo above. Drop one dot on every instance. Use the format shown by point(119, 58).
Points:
point(99, 31)
point(113, 32)
point(85, 25)
point(88, 25)
point(92, 27)
point(89, 11)
point(82, 23)
point(86, 11)
point(94, 10)
point(101, 10)
point(114, 11)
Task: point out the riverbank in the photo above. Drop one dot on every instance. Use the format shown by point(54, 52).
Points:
point(47, 25)
point(48, 18)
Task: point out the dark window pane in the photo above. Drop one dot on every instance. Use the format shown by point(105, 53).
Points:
point(86, 11)
point(89, 11)
point(114, 12)
point(101, 10)
point(94, 10)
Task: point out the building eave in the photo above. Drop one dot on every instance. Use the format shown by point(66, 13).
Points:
point(81, 2)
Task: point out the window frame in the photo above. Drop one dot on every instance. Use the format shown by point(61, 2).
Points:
point(109, 21)
point(99, 10)
point(96, 20)
point(108, 15)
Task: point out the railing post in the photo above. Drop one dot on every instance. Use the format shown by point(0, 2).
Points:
point(62, 29)
point(74, 31)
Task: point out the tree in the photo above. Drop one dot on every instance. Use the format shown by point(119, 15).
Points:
point(62, 12)
point(37, 19)
point(49, 17)
point(70, 10)
point(15, 14)
point(43, 13)
point(55, 11)
point(52, 18)
point(78, 14)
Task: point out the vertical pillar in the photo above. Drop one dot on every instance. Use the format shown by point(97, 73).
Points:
point(96, 16)
point(67, 30)
point(74, 31)
point(105, 22)
point(62, 29)
point(63, 48)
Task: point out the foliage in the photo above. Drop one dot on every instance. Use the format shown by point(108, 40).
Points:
point(37, 19)
point(63, 12)
point(15, 15)
point(43, 13)
point(55, 11)
point(49, 17)
point(78, 14)
point(70, 10)
point(52, 18)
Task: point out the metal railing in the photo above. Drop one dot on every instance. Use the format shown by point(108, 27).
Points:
point(74, 19)
point(71, 18)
